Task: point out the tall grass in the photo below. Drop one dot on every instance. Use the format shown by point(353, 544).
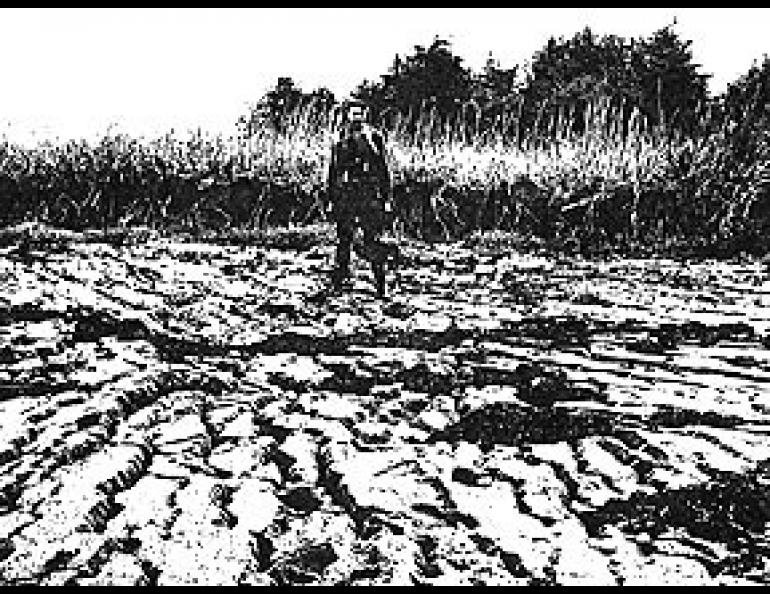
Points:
point(618, 181)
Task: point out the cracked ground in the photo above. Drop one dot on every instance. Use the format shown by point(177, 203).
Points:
point(175, 412)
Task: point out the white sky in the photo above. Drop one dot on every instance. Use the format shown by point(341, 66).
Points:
point(72, 72)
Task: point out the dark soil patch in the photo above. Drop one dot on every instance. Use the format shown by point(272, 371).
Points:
point(26, 313)
point(669, 337)
point(733, 509)
point(512, 424)
point(348, 379)
point(536, 385)
point(301, 499)
point(304, 566)
point(673, 417)
point(420, 378)
point(90, 327)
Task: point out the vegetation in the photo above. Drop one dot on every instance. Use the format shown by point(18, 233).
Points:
point(599, 141)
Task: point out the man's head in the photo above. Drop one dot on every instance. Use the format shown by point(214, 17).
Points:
point(356, 114)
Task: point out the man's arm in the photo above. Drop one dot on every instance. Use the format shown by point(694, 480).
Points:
point(382, 167)
point(331, 179)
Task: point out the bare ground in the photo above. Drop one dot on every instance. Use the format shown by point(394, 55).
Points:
point(190, 413)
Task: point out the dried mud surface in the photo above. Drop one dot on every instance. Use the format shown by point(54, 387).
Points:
point(191, 413)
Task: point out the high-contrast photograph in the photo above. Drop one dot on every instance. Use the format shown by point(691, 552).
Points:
point(384, 296)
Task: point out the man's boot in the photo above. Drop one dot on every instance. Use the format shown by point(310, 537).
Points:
point(339, 276)
point(379, 280)
point(341, 261)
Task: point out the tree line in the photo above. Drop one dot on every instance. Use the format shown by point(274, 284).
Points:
point(655, 77)
point(598, 139)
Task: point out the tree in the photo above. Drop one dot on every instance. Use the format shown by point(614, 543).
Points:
point(567, 75)
point(671, 87)
point(496, 92)
point(284, 102)
point(744, 105)
point(656, 75)
point(318, 106)
point(430, 82)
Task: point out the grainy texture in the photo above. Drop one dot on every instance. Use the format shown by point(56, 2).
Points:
point(198, 413)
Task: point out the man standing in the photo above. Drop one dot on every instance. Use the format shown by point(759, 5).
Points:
point(359, 189)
